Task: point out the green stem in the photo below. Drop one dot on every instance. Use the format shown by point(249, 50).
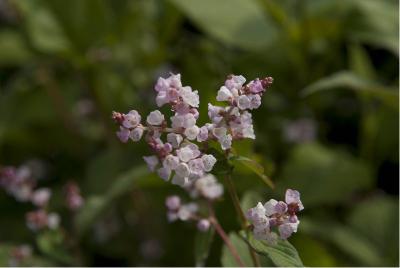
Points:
point(239, 211)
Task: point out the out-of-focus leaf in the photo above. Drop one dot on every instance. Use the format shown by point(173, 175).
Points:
point(376, 23)
point(348, 80)
point(324, 176)
point(345, 239)
point(95, 205)
point(360, 62)
point(13, 50)
point(377, 219)
point(43, 29)
point(51, 243)
point(227, 260)
point(249, 200)
point(313, 252)
point(203, 241)
point(281, 254)
point(255, 167)
point(236, 22)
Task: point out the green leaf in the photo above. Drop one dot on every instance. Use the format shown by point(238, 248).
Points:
point(323, 175)
point(281, 254)
point(360, 63)
point(51, 243)
point(203, 241)
point(376, 23)
point(239, 23)
point(377, 219)
point(13, 50)
point(43, 29)
point(344, 238)
point(227, 260)
point(255, 167)
point(96, 205)
point(249, 200)
point(348, 80)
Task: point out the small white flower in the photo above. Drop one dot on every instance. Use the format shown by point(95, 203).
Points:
point(270, 207)
point(164, 173)
point(203, 225)
point(225, 141)
point(174, 139)
point(203, 134)
point(173, 202)
point(286, 229)
point(192, 132)
point(41, 197)
point(53, 220)
point(209, 161)
point(171, 162)
point(255, 101)
point(219, 132)
point(243, 102)
point(182, 170)
point(155, 118)
point(189, 121)
point(293, 196)
point(185, 153)
point(196, 168)
point(123, 134)
point(224, 94)
point(136, 134)
point(151, 161)
point(178, 180)
point(131, 119)
point(190, 97)
point(178, 121)
point(162, 98)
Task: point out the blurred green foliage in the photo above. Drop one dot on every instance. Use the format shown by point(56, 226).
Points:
point(65, 65)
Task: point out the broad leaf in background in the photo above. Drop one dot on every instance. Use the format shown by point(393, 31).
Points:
point(227, 260)
point(281, 254)
point(348, 80)
point(255, 167)
point(203, 241)
point(324, 176)
point(356, 246)
point(13, 49)
point(377, 219)
point(376, 23)
point(239, 23)
point(95, 205)
point(52, 244)
point(44, 31)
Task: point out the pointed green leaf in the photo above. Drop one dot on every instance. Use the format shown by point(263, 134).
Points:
point(282, 253)
point(235, 22)
point(255, 167)
point(202, 246)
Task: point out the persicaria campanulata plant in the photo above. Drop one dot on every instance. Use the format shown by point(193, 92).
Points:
point(181, 155)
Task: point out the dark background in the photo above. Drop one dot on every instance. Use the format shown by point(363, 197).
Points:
point(328, 126)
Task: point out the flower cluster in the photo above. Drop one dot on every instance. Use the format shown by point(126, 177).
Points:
point(19, 183)
point(276, 214)
point(206, 187)
point(178, 156)
point(234, 121)
point(185, 212)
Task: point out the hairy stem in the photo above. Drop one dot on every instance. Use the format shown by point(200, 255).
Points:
point(239, 211)
point(224, 236)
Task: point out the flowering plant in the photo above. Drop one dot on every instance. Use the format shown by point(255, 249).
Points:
point(183, 155)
